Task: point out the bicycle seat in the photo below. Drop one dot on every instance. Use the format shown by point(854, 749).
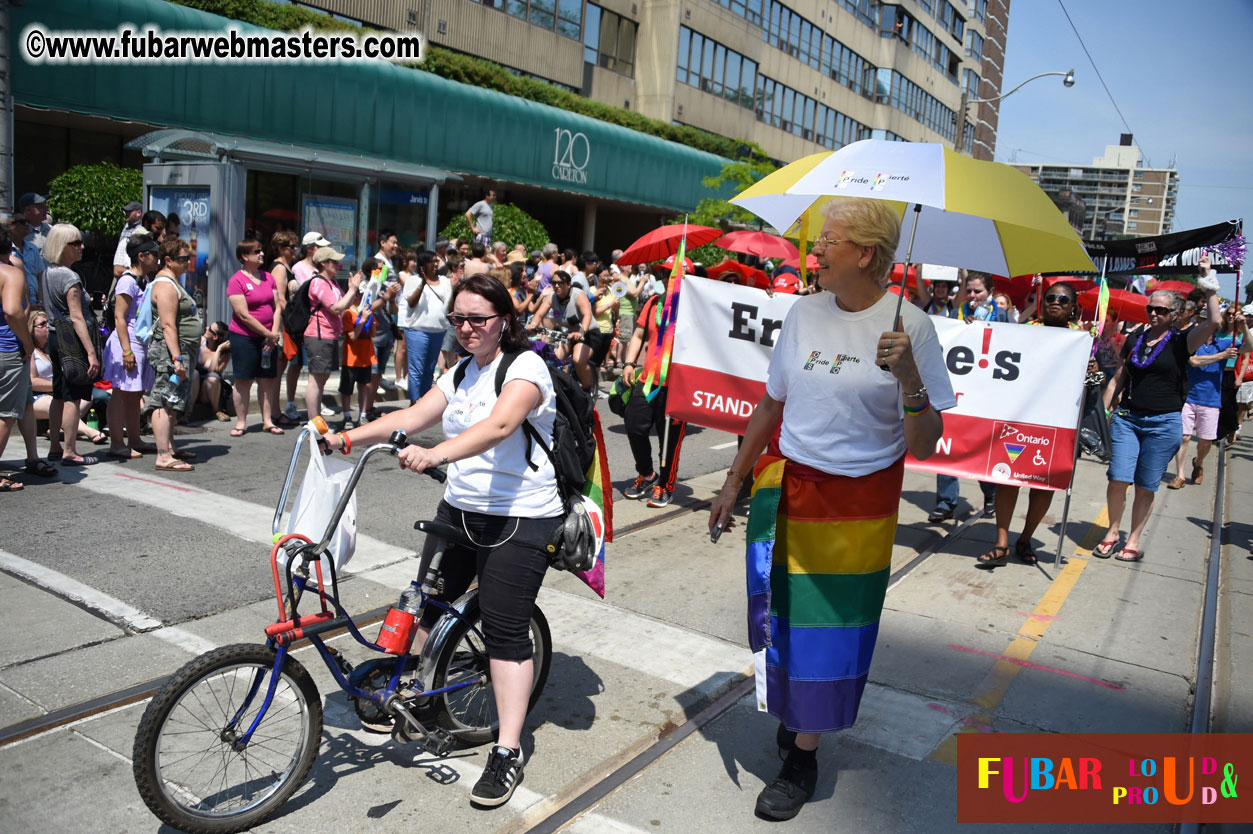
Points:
point(447, 532)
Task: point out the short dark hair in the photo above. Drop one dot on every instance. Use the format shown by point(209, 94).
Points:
point(426, 256)
point(369, 266)
point(246, 247)
point(384, 234)
point(513, 337)
point(150, 217)
point(478, 249)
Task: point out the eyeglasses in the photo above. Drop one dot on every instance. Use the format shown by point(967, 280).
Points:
point(1055, 298)
point(825, 241)
point(1155, 310)
point(475, 321)
point(74, 243)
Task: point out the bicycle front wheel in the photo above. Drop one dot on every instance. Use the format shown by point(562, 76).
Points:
point(471, 710)
point(186, 765)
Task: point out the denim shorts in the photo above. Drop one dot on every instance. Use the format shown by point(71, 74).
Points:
point(1144, 445)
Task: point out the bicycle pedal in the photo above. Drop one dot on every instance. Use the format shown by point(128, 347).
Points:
point(438, 742)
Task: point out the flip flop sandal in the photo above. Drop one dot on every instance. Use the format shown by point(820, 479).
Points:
point(237, 432)
point(272, 430)
point(10, 486)
point(1129, 555)
point(1105, 549)
point(176, 466)
point(100, 439)
point(40, 468)
point(1177, 483)
point(994, 558)
point(1024, 552)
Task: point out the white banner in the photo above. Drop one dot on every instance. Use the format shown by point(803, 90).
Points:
point(1019, 387)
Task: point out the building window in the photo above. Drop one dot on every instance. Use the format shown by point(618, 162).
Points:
point(979, 8)
point(974, 45)
point(711, 67)
point(563, 16)
point(863, 10)
point(609, 42)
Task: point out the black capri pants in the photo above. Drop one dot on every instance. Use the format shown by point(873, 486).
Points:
point(510, 564)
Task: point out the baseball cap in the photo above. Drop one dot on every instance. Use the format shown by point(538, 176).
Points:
point(326, 253)
point(30, 198)
point(133, 205)
point(314, 239)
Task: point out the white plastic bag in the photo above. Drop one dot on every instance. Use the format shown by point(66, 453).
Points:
point(325, 480)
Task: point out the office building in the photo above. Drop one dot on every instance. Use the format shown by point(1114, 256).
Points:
point(1119, 194)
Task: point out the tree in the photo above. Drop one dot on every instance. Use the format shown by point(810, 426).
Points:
point(717, 211)
point(91, 196)
point(510, 225)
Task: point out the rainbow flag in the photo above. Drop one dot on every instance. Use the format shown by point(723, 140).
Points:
point(658, 363)
point(818, 560)
point(1102, 307)
point(598, 487)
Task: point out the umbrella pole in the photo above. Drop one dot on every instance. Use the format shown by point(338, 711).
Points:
point(909, 254)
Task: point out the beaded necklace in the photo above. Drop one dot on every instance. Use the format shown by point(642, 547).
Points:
point(1148, 360)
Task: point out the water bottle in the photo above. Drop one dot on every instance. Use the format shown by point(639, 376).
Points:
point(174, 399)
point(397, 632)
point(267, 357)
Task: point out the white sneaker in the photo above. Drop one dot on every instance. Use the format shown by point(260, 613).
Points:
point(290, 412)
point(327, 411)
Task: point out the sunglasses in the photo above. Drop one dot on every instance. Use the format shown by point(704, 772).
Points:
point(1056, 298)
point(475, 321)
point(179, 258)
point(75, 243)
point(1155, 310)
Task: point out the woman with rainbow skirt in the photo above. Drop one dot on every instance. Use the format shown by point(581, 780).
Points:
point(852, 385)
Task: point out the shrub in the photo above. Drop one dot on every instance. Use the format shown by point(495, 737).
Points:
point(510, 225)
point(91, 196)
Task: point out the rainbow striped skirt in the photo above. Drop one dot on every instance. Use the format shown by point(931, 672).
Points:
point(819, 557)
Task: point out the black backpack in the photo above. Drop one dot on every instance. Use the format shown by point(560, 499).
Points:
point(574, 439)
point(298, 312)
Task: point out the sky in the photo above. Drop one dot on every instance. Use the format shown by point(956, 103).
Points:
point(1179, 71)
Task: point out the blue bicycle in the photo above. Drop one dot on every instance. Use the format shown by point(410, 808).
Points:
point(234, 732)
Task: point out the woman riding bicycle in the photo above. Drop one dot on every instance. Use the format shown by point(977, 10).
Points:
point(507, 508)
point(570, 304)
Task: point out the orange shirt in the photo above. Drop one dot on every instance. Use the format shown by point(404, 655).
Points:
point(358, 353)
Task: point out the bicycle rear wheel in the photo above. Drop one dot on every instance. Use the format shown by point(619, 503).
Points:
point(186, 766)
point(472, 710)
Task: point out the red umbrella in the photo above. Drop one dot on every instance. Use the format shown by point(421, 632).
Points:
point(913, 276)
point(748, 276)
point(1181, 287)
point(761, 244)
point(663, 242)
point(811, 263)
point(1129, 306)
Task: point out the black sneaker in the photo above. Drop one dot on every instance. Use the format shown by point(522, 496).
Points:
point(641, 487)
point(783, 798)
point(500, 777)
point(938, 515)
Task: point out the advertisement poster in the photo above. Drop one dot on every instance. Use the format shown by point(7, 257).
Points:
point(335, 219)
point(191, 204)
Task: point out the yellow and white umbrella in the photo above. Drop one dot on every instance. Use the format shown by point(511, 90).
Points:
point(961, 212)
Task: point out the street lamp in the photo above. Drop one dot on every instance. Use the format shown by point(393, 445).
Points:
point(1068, 80)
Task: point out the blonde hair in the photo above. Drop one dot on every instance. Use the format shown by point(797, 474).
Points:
point(869, 223)
point(58, 238)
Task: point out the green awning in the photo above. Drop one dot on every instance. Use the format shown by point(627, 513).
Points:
point(369, 108)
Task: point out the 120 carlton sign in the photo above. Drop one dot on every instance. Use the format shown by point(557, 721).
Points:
point(570, 157)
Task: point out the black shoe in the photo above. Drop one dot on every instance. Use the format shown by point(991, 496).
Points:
point(938, 515)
point(989, 506)
point(500, 777)
point(642, 486)
point(783, 798)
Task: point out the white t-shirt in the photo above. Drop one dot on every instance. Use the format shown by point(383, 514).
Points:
point(842, 414)
point(431, 314)
point(120, 258)
point(499, 481)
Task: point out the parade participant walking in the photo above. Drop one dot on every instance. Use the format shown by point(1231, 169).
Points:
point(509, 510)
point(1147, 428)
point(176, 330)
point(254, 335)
point(479, 216)
point(1203, 406)
point(829, 498)
point(644, 416)
point(327, 304)
point(126, 365)
point(1059, 311)
point(74, 343)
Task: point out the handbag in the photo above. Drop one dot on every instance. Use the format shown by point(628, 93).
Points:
point(324, 483)
point(73, 356)
point(1094, 436)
